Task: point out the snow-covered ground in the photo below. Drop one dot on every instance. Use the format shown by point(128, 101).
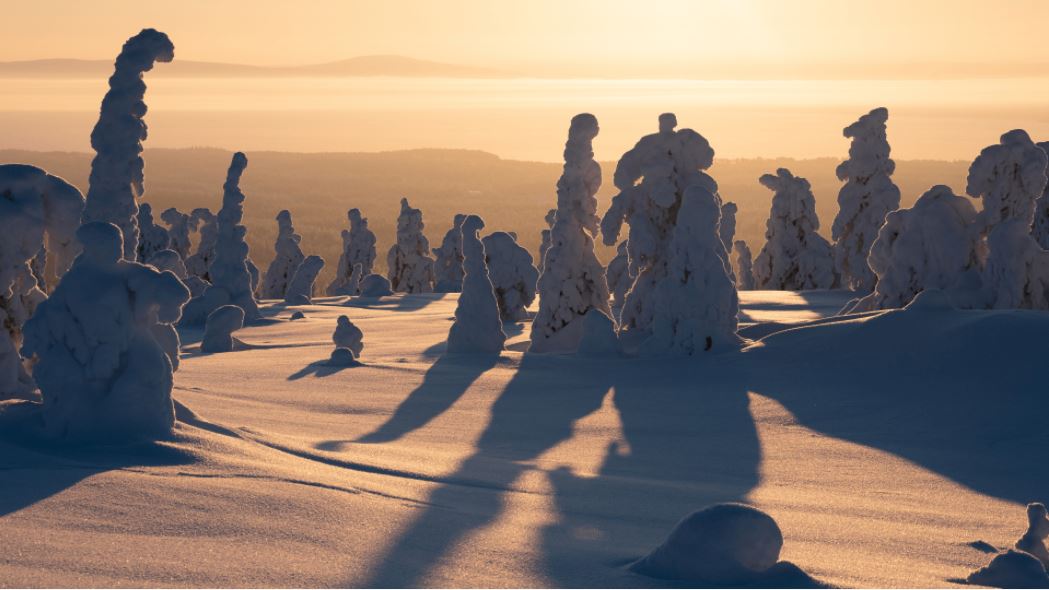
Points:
point(882, 443)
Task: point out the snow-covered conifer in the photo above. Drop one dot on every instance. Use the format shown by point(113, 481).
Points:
point(200, 262)
point(179, 227)
point(795, 257)
point(477, 328)
point(929, 246)
point(696, 305)
point(617, 277)
point(544, 238)
point(408, 262)
point(301, 287)
point(744, 267)
point(168, 259)
point(1040, 227)
point(219, 329)
point(117, 177)
point(287, 260)
point(866, 198)
point(448, 266)
point(358, 248)
point(652, 178)
point(573, 280)
point(348, 335)
point(104, 344)
point(151, 237)
point(727, 229)
point(512, 274)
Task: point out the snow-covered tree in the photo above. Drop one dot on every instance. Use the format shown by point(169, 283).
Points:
point(348, 335)
point(727, 229)
point(795, 257)
point(448, 267)
point(375, 285)
point(866, 198)
point(1010, 177)
point(652, 178)
point(573, 280)
point(544, 238)
point(512, 274)
point(408, 261)
point(929, 246)
point(477, 328)
point(35, 208)
point(358, 248)
point(744, 267)
point(1040, 227)
point(151, 237)
point(168, 259)
point(287, 260)
point(104, 345)
point(301, 287)
point(696, 304)
point(179, 227)
point(219, 329)
point(617, 277)
point(117, 172)
point(230, 277)
point(200, 262)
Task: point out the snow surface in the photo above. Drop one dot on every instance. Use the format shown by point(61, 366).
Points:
point(528, 470)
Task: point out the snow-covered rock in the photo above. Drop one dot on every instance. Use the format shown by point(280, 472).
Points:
point(544, 238)
point(231, 282)
point(375, 285)
point(408, 263)
point(866, 198)
point(117, 171)
point(721, 544)
point(929, 246)
point(477, 328)
point(512, 274)
point(151, 237)
point(744, 267)
point(573, 280)
point(652, 178)
point(199, 263)
point(696, 307)
point(104, 345)
point(599, 335)
point(617, 277)
point(179, 227)
point(795, 256)
point(348, 335)
point(219, 329)
point(287, 260)
point(448, 266)
point(300, 289)
point(358, 248)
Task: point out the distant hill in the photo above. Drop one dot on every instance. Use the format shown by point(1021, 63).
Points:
point(368, 65)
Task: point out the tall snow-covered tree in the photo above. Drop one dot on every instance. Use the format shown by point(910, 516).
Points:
point(795, 257)
point(300, 288)
point(652, 179)
point(866, 198)
point(286, 261)
point(727, 227)
point(477, 328)
point(512, 274)
point(199, 263)
point(358, 248)
point(544, 238)
point(408, 262)
point(617, 277)
point(117, 171)
point(744, 267)
point(448, 267)
point(179, 227)
point(151, 237)
point(573, 280)
point(1040, 227)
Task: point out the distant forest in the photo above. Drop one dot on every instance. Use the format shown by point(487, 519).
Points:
point(510, 195)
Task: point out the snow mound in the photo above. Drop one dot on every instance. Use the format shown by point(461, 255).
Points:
point(599, 335)
point(342, 357)
point(219, 329)
point(348, 335)
point(375, 285)
point(298, 315)
point(722, 544)
point(300, 289)
point(1012, 569)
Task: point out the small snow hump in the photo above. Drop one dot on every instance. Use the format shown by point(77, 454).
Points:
point(375, 285)
point(1012, 569)
point(721, 544)
point(219, 328)
point(342, 357)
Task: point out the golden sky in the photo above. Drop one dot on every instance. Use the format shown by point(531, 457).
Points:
point(582, 37)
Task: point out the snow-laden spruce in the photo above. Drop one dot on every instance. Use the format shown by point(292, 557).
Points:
point(287, 260)
point(477, 328)
point(1009, 177)
point(231, 281)
point(179, 227)
point(544, 238)
point(35, 208)
point(301, 287)
point(219, 329)
point(795, 257)
point(348, 335)
point(867, 197)
point(932, 245)
point(104, 345)
point(117, 172)
point(512, 274)
point(1040, 227)
point(448, 265)
point(358, 249)
point(168, 259)
point(618, 278)
point(652, 178)
point(744, 267)
point(727, 228)
point(573, 280)
point(151, 237)
point(696, 306)
point(408, 262)
point(199, 263)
